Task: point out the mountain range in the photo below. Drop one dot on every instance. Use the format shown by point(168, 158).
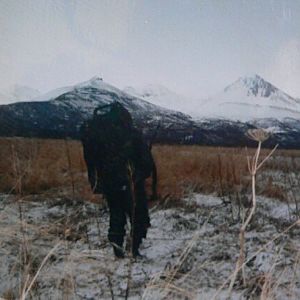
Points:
point(249, 98)
point(60, 113)
point(223, 119)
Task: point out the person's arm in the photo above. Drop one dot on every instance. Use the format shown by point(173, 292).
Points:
point(142, 159)
point(145, 164)
point(92, 156)
point(88, 155)
point(154, 195)
point(91, 173)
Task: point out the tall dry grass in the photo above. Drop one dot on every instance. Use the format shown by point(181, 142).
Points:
point(43, 166)
point(29, 166)
point(184, 169)
point(56, 165)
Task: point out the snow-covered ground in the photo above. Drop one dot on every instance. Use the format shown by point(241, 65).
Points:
point(190, 251)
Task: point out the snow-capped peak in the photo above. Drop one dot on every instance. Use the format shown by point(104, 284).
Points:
point(95, 82)
point(253, 85)
point(251, 97)
point(98, 83)
point(96, 79)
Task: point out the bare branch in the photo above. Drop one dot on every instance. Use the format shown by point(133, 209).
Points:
point(267, 157)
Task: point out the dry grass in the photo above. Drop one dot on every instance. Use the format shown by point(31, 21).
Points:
point(42, 166)
point(184, 169)
point(29, 166)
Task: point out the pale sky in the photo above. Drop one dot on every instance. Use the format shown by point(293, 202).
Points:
point(195, 48)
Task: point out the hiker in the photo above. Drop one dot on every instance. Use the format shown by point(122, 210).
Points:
point(118, 162)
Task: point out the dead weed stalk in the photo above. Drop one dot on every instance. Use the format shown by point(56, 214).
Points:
point(254, 166)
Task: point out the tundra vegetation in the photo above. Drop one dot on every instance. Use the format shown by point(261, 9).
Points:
point(53, 229)
point(57, 166)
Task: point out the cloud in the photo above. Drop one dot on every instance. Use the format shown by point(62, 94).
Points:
point(46, 44)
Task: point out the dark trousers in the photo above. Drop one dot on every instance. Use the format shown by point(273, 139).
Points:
point(122, 205)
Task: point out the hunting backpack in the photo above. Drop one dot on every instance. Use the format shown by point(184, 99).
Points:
point(111, 143)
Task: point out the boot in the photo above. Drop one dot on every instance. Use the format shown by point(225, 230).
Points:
point(117, 243)
point(118, 251)
point(136, 253)
point(135, 247)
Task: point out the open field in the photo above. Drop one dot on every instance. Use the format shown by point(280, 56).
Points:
point(53, 242)
point(35, 166)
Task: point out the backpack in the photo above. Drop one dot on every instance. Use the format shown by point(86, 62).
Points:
point(111, 142)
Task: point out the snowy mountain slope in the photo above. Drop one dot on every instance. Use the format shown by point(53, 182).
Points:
point(250, 98)
point(162, 96)
point(66, 108)
point(16, 93)
point(250, 102)
point(94, 82)
point(86, 96)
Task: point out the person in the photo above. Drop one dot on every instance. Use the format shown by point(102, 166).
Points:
point(118, 162)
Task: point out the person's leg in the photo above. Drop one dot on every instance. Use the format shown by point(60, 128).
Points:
point(128, 206)
point(117, 222)
point(141, 220)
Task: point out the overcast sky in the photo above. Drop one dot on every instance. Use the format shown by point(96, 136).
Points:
point(195, 48)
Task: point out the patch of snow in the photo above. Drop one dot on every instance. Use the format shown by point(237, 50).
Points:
point(203, 200)
point(83, 265)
